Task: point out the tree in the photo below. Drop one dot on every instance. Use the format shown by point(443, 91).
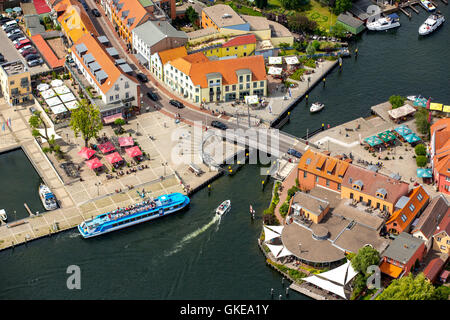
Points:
point(421, 116)
point(300, 22)
point(420, 150)
point(342, 6)
point(37, 122)
point(397, 101)
point(310, 50)
point(366, 256)
point(192, 15)
point(86, 120)
point(119, 122)
point(261, 4)
point(409, 288)
point(293, 4)
point(421, 161)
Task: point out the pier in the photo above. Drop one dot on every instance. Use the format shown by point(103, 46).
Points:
point(28, 209)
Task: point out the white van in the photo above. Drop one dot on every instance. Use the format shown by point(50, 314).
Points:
point(9, 24)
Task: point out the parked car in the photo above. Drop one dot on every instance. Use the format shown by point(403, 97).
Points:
point(22, 43)
point(21, 50)
point(14, 31)
point(96, 13)
point(142, 77)
point(32, 110)
point(219, 125)
point(32, 56)
point(9, 24)
point(15, 36)
point(152, 96)
point(11, 28)
point(35, 62)
point(29, 51)
point(4, 20)
point(176, 103)
point(294, 153)
point(18, 40)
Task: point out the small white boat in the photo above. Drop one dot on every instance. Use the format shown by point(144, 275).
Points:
point(385, 23)
point(413, 98)
point(223, 208)
point(3, 215)
point(316, 107)
point(431, 24)
point(47, 197)
point(427, 5)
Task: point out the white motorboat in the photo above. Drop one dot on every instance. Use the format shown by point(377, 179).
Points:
point(3, 215)
point(427, 5)
point(413, 98)
point(385, 23)
point(223, 208)
point(47, 197)
point(431, 24)
point(316, 107)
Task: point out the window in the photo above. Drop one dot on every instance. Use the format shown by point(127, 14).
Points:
point(11, 82)
point(116, 87)
point(419, 197)
point(235, 48)
point(111, 98)
point(317, 179)
point(339, 186)
point(328, 183)
point(241, 78)
point(305, 174)
point(255, 84)
point(117, 97)
point(218, 81)
point(248, 85)
point(404, 218)
point(227, 88)
point(443, 248)
point(411, 207)
point(127, 95)
point(261, 83)
point(241, 86)
point(234, 87)
point(127, 85)
point(248, 78)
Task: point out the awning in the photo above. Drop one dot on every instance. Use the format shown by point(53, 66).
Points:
point(436, 106)
point(411, 138)
point(326, 285)
point(111, 119)
point(275, 60)
point(420, 102)
point(72, 105)
point(251, 99)
point(86, 153)
point(275, 71)
point(56, 83)
point(58, 109)
point(67, 97)
point(106, 147)
point(43, 86)
point(424, 173)
point(53, 101)
point(386, 136)
point(114, 157)
point(133, 152)
point(373, 141)
point(48, 93)
point(402, 111)
point(390, 269)
point(403, 130)
point(126, 141)
point(62, 90)
point(94, 163)
point(291, 60)
point(341, 275)
point(284, 253)
point(269, 234)
point(274, 249)
point(51, 132)
point(446, 109)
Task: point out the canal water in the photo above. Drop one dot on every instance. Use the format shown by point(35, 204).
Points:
point(191, 256)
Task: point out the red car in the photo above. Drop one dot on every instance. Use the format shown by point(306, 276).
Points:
point(23, 43)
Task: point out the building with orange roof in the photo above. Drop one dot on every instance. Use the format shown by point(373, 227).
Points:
point(374, 189)
point(441, 237)
point(119, 92)
point(317, 169)
point(240, 46)
point(159, 59)
point(74, 20)
point(47, 53)
point(440, 154)
point(434, 268)
point(407, 209)
point(202, 80)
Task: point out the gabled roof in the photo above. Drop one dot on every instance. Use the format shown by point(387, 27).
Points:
point(131, 10)
point(310, 203)
point(109, 70)
point(75, 20)
point(52, 60)
point(433, 268)
point(184, 64)
point(171, 54)
point(432, 216)
point(444, 226)
point(403, 248)
point(41, 6)
point(374, 181)
point(152, 32)
point(240, 40)
point(311, 160)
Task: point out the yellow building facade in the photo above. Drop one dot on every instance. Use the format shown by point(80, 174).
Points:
point(241, 46)
point(15, 81)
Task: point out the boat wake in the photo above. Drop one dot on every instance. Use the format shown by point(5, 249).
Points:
point(194, 234)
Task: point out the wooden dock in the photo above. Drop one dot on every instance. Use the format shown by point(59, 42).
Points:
point(445, 2)
point(413, 9)
point(408, 14)
point(28, 209)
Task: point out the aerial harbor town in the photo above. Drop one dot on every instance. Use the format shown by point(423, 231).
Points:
point(228, 149)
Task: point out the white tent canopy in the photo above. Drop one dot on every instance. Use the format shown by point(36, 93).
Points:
point(341, 275)
point(277, 229)
point(291, 60)
point(251, 99)
point(402, 111)
point(275, 71)
point(284, 253)
point(71, 105)
point(67, 97)
point(269, 234)
point(43, 86)
point(326, 285)
point(47, 94)
point(56, 83)
point(62, 90)
point(275, 60)
point(53, 101)
point(50, 132)
point(274, 249)
point(58, 109)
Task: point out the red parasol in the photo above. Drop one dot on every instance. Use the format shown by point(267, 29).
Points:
point(133, 152)
point(126, 141)
point(86, 153)
point(106, 147)
point(94, 163)
point(113, 157)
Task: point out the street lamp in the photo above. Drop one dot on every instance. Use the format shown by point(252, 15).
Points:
point(164, 164)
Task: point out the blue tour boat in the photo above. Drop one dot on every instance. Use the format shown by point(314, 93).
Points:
point(134, 214)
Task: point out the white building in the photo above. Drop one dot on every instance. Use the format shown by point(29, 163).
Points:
point(159, 59)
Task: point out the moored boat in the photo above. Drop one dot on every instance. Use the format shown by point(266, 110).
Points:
point(427, 5)
point(3, 215)
point(316, 107)
point(385, 23)
point(134, 214)
point(47, 197)
point(413, 98)
point(223, 208)
point(431, 24)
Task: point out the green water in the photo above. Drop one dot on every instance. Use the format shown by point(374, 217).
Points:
point(190, 256)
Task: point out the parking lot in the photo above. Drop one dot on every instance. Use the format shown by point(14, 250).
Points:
point(10, 53)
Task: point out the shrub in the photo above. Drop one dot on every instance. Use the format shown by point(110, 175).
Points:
point(420, 150)
point(292, 191)
point(421, 161)
point(284, 209)
point(397, 101)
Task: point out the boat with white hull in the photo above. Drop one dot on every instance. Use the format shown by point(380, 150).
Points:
point(47, 197)
point(223, 208)
point(385, 23)
point(427, 5)
point(431, 24)
point(316, 107)
point(3, 215)
point(134, 214)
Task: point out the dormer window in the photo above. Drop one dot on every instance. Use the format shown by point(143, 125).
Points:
point(381, 193)
point(358, 185)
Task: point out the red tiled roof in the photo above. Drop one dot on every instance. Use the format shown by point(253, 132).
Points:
point(41, 6)
point(241, 40)
point(445, 224)
point(433, 268)
point(47, 52)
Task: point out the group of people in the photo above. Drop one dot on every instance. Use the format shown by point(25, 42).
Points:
point(136, 208)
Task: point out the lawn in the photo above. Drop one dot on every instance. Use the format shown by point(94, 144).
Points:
point(244, 10)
